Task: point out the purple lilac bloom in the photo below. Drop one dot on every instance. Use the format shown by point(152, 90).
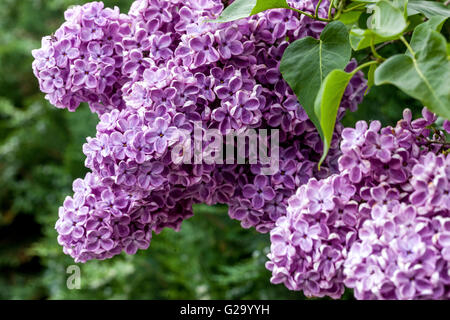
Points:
point(315, 236)
point(150, 75)
point(80, 49)
point(386, 232)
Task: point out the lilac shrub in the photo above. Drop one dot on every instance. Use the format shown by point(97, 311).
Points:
point(150, 75)
point(380, 226)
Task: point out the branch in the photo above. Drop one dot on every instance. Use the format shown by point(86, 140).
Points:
point(444, 143)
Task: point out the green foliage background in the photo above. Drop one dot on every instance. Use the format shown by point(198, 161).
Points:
point(41, 154)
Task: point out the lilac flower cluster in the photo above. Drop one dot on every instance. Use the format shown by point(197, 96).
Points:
point(380, 226)
point(310, 243)
point(82, 61)
point(405, 206)
point(150, 76)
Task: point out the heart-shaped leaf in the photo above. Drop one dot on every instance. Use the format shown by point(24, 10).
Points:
point(306, 63)
point(423, 74)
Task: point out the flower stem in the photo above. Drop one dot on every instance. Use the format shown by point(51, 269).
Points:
point(354, 7)
point(316, 13)
point(310, 15)
point(374, 51)
point(329, 9)
point(365, 65)
point(340, 8)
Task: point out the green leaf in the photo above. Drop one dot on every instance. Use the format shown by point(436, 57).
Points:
point(388, 20)
point(237, 10)
point(428, 8)
point(388, 23)
point(327, 104)
point(361, 38)
point(423, 75)
point(240, 9)
point(306, 63)
point(363, 19)
point(402, 5)
point(419, 37)
point(350, 17)
point(435, 23)
point(263, 5)
point(371, 77)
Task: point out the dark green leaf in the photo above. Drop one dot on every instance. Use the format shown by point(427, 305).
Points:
point(363, 19)
point(423, 75)
point(306, 63)
point(327, 104)
point(428, 8)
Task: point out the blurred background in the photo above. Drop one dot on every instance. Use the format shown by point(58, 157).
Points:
point(212, 257)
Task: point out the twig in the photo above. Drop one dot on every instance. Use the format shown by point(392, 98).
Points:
point(444, 143)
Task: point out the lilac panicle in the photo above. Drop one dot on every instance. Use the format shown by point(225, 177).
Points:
point(380, 226)
point(150, 75)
